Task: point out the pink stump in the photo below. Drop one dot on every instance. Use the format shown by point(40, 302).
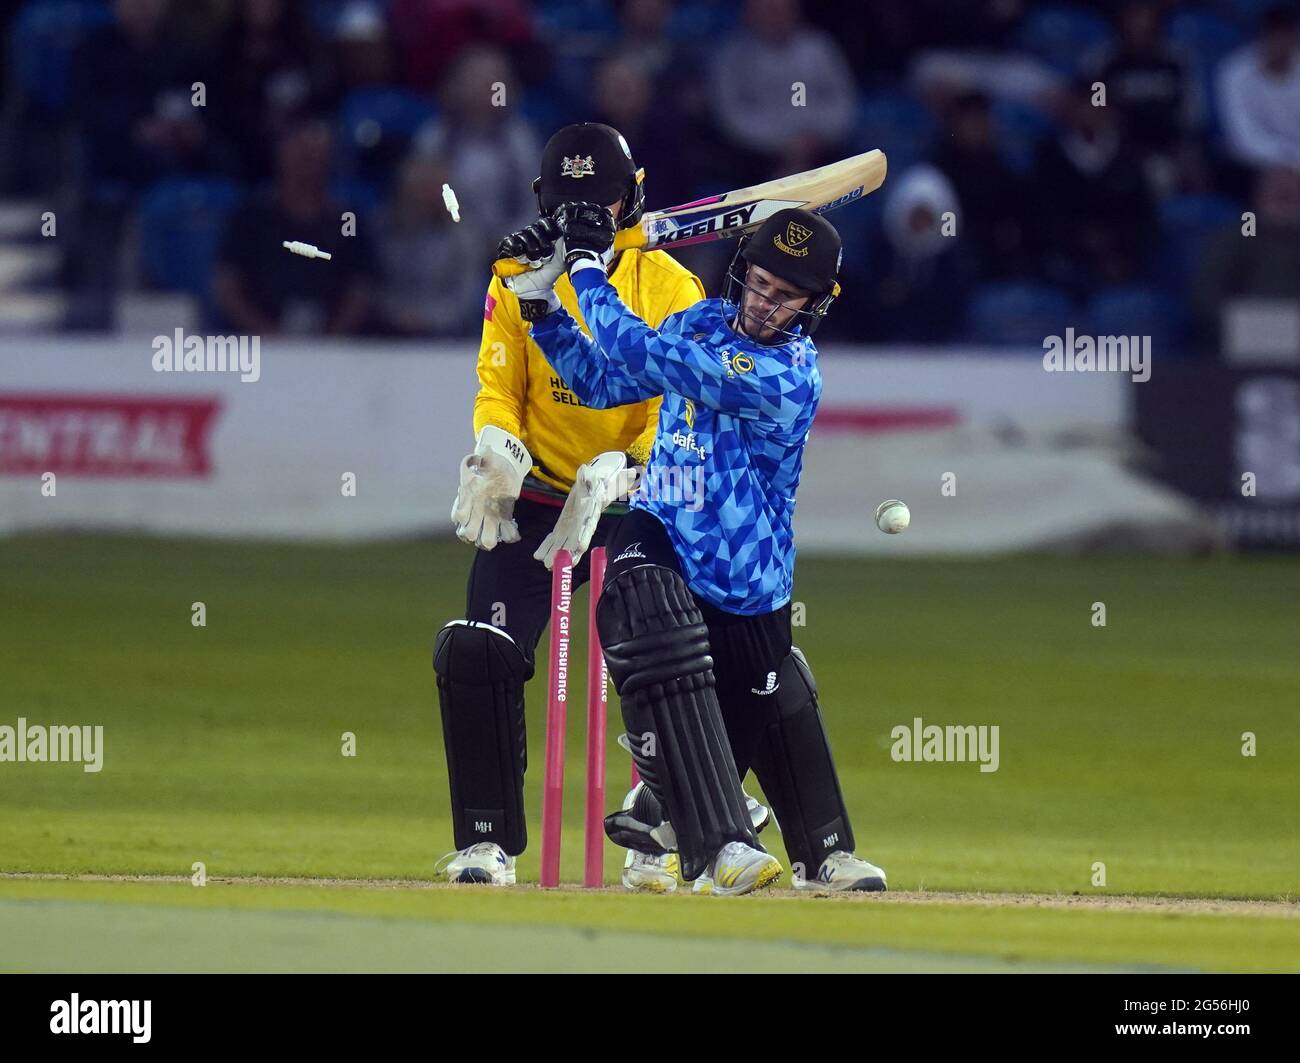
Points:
point(556, 696)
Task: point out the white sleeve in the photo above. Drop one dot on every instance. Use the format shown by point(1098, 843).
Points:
point(1250, 140)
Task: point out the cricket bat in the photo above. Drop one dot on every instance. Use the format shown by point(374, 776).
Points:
point(735, 213)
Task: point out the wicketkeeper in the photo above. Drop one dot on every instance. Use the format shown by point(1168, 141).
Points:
point(545, 466)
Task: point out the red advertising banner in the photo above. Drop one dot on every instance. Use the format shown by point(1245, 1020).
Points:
point(163, 437)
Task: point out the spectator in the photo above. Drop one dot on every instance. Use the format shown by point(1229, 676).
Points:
point(431, 285)
point(752, 95)
point(365, 57)
point(919, 277)
point(1259, 94)
point(879, 37)
point(260, 287)
point(1263, 266)
point(492, 153)
point(993, 198)
point(433, 33)
point(644, 36)
point(267, 70)
point(1150, 85)
point(623, 100)
point(130, 93)
point(364, 50)
point(1094, 212)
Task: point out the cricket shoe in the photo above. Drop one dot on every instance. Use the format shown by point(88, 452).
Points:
point(484, 863)
point(738, 869)
point(843, 871)
point(652, 874)
point(759, 814)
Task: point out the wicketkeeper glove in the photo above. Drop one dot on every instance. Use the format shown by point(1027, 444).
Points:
point(490, 481)
point(598, 483)
point(536, 288)
point(533, 244)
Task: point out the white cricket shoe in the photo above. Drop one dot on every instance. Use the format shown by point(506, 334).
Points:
point(484, 863)
point(738, 869)
point(652, 874)
point(759, 814)
point(844, 871)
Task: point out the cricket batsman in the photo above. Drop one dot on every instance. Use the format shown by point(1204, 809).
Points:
point(694, 617)
point(545, 467)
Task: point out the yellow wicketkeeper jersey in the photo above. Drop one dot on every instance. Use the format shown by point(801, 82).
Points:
point(520, 392)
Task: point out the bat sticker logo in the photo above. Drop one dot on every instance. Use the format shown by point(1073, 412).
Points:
point(848, 197)
point(578, 166)
point(724, 222)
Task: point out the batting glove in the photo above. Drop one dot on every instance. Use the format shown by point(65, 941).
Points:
point(588, 235)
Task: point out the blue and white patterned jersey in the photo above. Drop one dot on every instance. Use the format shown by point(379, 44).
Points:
point(734, 421)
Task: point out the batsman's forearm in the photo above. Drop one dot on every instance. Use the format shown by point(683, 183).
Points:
point(575, 357)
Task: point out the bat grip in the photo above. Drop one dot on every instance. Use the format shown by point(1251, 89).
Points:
point(624, 240)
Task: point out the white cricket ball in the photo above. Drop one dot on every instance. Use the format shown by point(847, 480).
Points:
point(892, 516)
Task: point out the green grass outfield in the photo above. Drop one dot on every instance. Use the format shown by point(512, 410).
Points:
point(1118, 745)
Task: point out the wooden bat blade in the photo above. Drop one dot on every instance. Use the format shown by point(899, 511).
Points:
point(738, 212)
point(734, 213)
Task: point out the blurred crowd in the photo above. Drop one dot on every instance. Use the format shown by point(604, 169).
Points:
point(1050, 164)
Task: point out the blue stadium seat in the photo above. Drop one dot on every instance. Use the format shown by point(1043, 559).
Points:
point(1132, 311)
point(1185, 222)
point(325, 14)
point(1205, 39)
point(1064, 36)
point(356, 194)
point(896, 123)
point(702, 20)
point(1193, 212)
point(1018, 314)
point(546, 111)
point(368, 115)
point(375, 129)
point(42, 39)
point(1244, 13)
point(1020, 129)
point(575, 20)
point(181, 220)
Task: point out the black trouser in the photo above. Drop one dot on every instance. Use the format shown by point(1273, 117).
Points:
point(482, 666)
point(511, 589)
point(746, 650)
point(768, 703)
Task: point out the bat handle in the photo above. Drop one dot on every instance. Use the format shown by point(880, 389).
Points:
point(624, 240)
